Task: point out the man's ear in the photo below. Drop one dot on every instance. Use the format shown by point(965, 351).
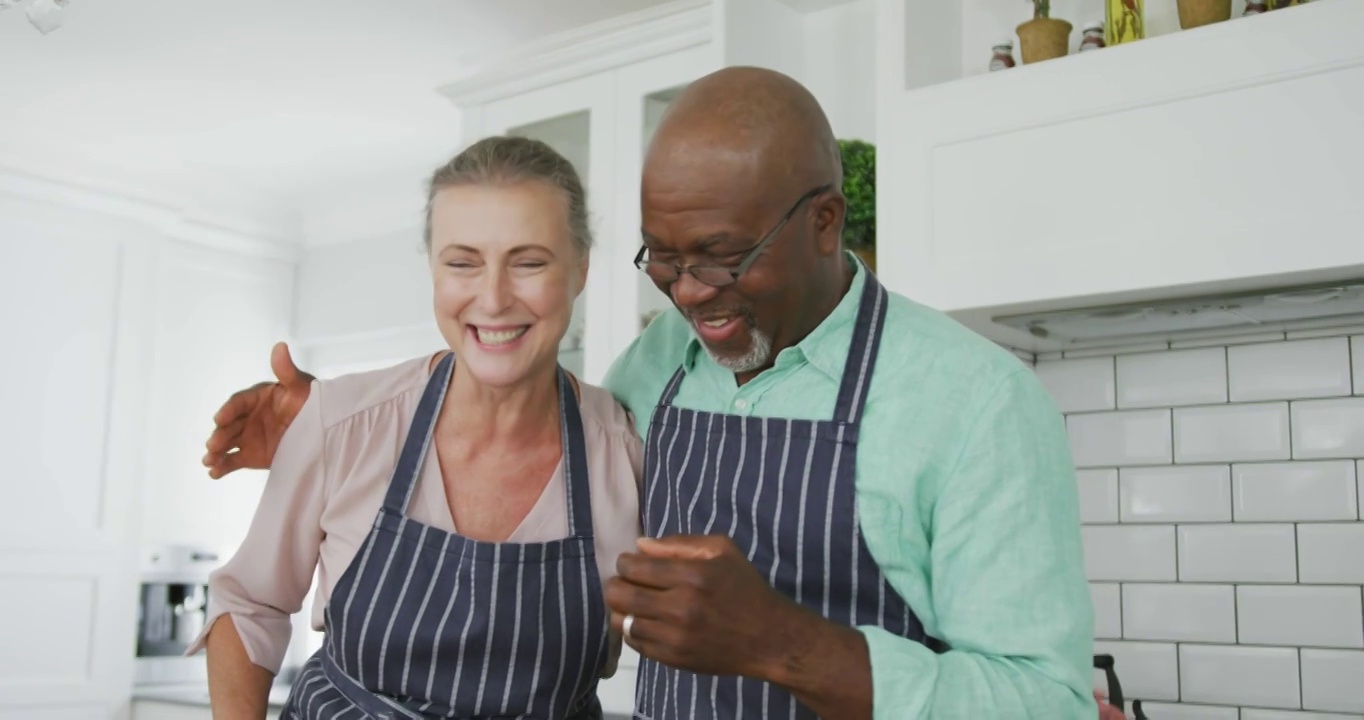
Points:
point(829, 216)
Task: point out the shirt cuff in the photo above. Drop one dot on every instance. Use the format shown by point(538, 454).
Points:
point(266, 639)
point(903, 674)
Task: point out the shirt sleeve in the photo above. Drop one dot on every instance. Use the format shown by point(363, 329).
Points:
point(269, 576)
point(1007, 576)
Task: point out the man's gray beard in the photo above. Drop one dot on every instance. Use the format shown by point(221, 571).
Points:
point(756, 357)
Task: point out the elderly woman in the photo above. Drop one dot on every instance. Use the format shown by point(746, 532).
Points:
point(462, 511)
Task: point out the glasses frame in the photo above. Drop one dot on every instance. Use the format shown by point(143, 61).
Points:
point(733, 273)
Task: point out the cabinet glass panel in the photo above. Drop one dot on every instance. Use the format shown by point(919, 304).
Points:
point(570, 135)
point(651, 301)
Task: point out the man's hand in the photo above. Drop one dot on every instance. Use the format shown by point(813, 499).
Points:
point(248, 427)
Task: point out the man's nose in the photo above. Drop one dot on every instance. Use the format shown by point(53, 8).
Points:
point(687, 291)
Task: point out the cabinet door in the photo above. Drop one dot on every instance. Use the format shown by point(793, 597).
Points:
point(217, 317)
point(74, 308)
point(643, 92)
point(576, 119)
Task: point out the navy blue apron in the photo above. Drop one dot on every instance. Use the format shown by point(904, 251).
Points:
point(430, 624)
point(784, 490)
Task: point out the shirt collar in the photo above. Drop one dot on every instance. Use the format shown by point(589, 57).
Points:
point(826, 347)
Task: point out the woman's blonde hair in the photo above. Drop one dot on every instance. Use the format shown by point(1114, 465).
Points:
point(506, 160)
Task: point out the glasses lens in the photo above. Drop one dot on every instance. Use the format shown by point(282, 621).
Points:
point(713, 276)
point(660, 272)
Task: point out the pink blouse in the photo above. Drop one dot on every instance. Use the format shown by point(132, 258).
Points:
point(328, 480)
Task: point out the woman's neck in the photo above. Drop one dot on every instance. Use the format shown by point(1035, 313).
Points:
point(485, 415)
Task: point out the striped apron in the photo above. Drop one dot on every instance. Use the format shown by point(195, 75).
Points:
point(428, 624)
point(783, 489)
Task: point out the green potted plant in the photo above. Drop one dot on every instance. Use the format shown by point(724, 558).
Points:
point(859, 188)
point(1043, 37)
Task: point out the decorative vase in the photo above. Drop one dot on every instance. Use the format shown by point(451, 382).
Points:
point(1255, 7)
point(1093, 37)
point(1043, 39)
point(1124, 21)
point(1196, 13)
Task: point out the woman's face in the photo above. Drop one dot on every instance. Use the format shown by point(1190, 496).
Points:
point(505, 273)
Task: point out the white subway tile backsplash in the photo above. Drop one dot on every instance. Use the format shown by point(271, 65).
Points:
point(1221, 486)
point(1148, 671)
point(1295, 491)
point(1333, 680)
point(1134, 437)
point(1133, 553)
point(1239, 675)
point(1173, 377)
point(1186, 711)
point(1237, 553)
point(1107, 599)
point(1297, 615)
point(1079, 385)
point(1227, 340)
point(1232, 433)
point(1182, 493)
point(1262, 714)
point(1357, 354)
point(1179, 612)
point(1331, 553)
point(1289, 370)
point(1098, 495)
point(1328, 428)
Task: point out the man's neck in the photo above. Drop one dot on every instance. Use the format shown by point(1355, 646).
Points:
point(825, 305)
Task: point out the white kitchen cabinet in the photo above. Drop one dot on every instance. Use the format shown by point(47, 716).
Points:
point(1214, 159)
point(97, 289)
point(165, 710)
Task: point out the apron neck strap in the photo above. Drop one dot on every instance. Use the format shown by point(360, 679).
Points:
point(418, 439)
point(862, 351)
point(418, 443)
point(857, 369)
point(579, 495)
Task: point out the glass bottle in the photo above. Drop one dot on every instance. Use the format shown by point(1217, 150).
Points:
point(1124, 21)
point(1003, 56)
point(1093, 37)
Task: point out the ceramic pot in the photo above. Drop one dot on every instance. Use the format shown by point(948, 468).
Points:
point(1043, 39)
point(1196, 13)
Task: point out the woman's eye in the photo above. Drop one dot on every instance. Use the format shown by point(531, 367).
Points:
point(459, 264)
point(531, 264)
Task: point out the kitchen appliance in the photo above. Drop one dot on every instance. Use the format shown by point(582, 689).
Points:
point(1230, 313)
point(172, 607)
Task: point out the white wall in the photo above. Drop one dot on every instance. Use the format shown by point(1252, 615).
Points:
point(125, 329)
point(1221, 494)
point(840, 66)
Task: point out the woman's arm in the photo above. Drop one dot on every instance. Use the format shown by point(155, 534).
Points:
point(237, 688)
point(253, 595)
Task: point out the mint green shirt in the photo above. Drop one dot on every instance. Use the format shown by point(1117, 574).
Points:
point(967, 496)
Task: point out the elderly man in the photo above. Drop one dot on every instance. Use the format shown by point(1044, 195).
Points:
point(855, 508)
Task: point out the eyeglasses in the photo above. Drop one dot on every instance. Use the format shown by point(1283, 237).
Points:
point(718, 275)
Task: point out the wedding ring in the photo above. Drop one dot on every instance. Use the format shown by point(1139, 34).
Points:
point(625, 626)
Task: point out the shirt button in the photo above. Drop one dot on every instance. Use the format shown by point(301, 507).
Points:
point(741, 403)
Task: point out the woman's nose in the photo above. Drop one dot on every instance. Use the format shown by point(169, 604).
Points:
point(495, 294)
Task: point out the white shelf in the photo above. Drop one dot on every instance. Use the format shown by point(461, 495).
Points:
point(1219, 158)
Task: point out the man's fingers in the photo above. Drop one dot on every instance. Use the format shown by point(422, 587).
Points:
point(230, 463)
point(655, 572)
point(282, 364)
point(225, 437)
point(240, 404)
point(687, 547)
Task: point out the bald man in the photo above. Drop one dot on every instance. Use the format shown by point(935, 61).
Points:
point(853, 506)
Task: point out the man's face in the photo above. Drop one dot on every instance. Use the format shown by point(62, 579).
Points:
point(689, 220)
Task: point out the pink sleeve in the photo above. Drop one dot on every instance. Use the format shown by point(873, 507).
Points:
point(268, 578)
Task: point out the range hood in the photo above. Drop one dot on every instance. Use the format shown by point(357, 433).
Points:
point(1265, 310)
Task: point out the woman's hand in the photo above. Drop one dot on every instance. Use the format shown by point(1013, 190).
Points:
point(248, 427)
point(1106, 711)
